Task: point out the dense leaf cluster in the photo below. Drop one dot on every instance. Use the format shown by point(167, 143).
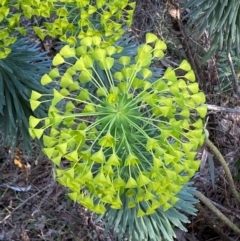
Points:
point(20, 73)
point(221, 18)
point(68, 20)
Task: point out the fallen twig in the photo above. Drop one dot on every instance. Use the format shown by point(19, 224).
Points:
point(224, 109)
point(25, 201)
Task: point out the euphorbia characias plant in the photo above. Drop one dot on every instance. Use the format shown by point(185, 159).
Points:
point(130, 144)
point(133, 139)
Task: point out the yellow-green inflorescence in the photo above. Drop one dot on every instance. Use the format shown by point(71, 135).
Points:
point(69, 20)
point(131, 138)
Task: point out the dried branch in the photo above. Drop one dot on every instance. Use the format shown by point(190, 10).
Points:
point(224, 109)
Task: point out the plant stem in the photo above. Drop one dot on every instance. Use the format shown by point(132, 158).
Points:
point(220, 215)
point(224, 164)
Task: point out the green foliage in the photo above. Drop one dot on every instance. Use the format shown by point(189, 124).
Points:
point(74, 20)
point(20, 73)
point(221, 18)
point(157, 226)
point(225, 73)
point(9, 26)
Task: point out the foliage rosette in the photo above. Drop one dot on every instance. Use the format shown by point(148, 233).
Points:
point(220, 18)
point(20, 74)
point(134, 140)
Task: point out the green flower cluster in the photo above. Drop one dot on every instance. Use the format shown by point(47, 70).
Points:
point(9, 24)
point(69, 20)
point(133, 139)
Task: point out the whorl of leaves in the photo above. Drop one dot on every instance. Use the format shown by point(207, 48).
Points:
point(20, 73)
point(158, 226)
point(221, 18)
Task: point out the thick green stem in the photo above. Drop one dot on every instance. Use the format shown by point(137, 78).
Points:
point(209, 204)
point(222, 161)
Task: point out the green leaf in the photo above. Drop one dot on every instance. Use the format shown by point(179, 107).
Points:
point(96, 40)
point(64, 92)
point(198, 124)
point(170, 75)
point(160, 45)
point(38, 132)
point(85, 76)
point(107, 63)
point(98, 157)
point(57, 96)
point(39, 32)
point(73, 196)
point(131, 160)
point(202, 111)
point(62, 148)
point(48, 152)
point(146, 73)
point(87, 41)
point(185, 112)
point(194, 88)
point(142, 180)
point(83, 95)
point(151, 143)
point(45, 79)
point(158, 53)
point(79, 65)
point(124, 60)
point(58, 59)
point(54, 73)
point(131, 183)
point(107, 141)
point(74, 86)
point(81, 50)
point(34, 104)
point(164, 110)
point(67, 51)
point(118, 76)
point(150, 37)
point(110, 50)
point(99, 54)
point(185, 65)
point(72, 156)
point(198, 98)
point(66, 80)
point(190, 76)
point(33, 121)
point(35, 95)
point(113, 160)
point(88, 61)
point(57, 160)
